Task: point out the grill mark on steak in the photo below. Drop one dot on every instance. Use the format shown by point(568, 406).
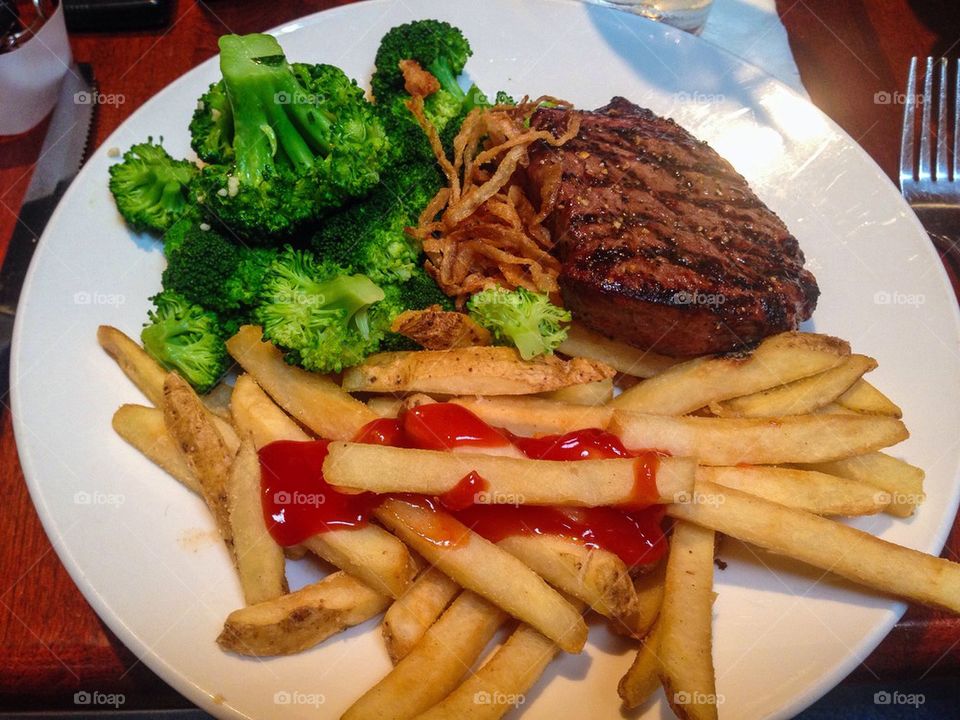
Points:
point(646, 216)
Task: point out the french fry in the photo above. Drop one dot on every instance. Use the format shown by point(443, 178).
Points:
point(385, 406)
point(144, 428)
point(776, 361)
point(643, 677)
point(218, 401)
point(206, 453)
point(587, 483)
point(143, 370)
point(826, 544)
point(502, 682)
point(480, 566)
point(260, 561)
point(435, 665)
point(815, 492)
point(685, 634)
point(411, 614)
point(902, 481)
point(758, 441)
point(648, 597)
point(313, 400)
point(623, 358)
point(468, 371)
point(596, 576)
point(292, 623)
point(800, 396)
point(864, 398)
point(370, 554)
point(255, 413)
point(592, 393)
point(536, 416)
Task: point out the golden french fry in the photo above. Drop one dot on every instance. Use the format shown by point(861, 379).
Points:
point(411, 614)
point(217, 401)
point(313, 400)
point(648, 597)
point(203, 447)
point(815, 492)
point(800, 396)
point(623, 358)
point(501, 683)
point(902, 481)
point(692, 385)
point(385, 406)
point(864, 398)
point(826, 544)
point(643, 677)
point(685, 627)
point(435, 665)
point(592, 393)
point(260, 561)
point(144, 428)
point(507, 480)
point(255, 413)
point(758, 441)
point(470, 370)
point(292, 623)
point(145, 372)
point(480, 566)
point(370, 554)
point(596, 576)
point(536, 416)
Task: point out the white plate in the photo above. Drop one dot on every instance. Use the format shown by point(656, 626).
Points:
point(140, 547)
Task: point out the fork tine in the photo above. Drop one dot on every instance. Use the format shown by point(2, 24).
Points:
point(923, 170)
point(956, 127)
point(942, 175)
point(909, 123)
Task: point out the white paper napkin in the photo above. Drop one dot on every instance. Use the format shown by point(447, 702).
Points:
point(751, 29)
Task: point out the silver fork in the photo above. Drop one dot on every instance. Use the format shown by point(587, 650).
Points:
point(928, 182)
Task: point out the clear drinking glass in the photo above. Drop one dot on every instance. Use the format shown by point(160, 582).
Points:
point(689, 15)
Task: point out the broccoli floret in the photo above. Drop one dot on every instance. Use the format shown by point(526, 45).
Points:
point(521, 318)
point(318, 313)
point(437, 46)
point(420, 292)
point(184, 337)
point(173, 238)
point(211, 271)
point(150, 187)
point(369, 236)
point(211, 128)
point(304, 140)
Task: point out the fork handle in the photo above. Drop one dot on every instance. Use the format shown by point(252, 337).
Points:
point(942, 223)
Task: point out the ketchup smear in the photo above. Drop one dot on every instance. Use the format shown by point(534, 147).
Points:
point(298, 502)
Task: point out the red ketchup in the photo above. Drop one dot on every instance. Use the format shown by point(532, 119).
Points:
point(297, 501)
point(447, 426)
point(292, 484)
point(633, 532)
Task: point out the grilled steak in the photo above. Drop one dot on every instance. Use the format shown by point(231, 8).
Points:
point(663, 244)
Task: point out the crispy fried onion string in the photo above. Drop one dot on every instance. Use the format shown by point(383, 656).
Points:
point(483, 229)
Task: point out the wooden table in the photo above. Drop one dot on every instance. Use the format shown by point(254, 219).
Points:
point(51, 642)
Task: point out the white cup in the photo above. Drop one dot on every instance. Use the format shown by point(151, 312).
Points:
point(31, 73)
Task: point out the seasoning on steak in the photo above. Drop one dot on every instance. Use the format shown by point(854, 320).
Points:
point(663, 244)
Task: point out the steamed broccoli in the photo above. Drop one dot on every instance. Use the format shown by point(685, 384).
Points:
point(304, 139)
point(211, 128)
point(220, 276)
point(438, 46)
point(369, 236)
point(521, 318)
point(150, 187)
point(318, 313)
point(185, 338)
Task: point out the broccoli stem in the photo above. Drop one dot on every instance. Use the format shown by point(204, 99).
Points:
point(447, 78)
